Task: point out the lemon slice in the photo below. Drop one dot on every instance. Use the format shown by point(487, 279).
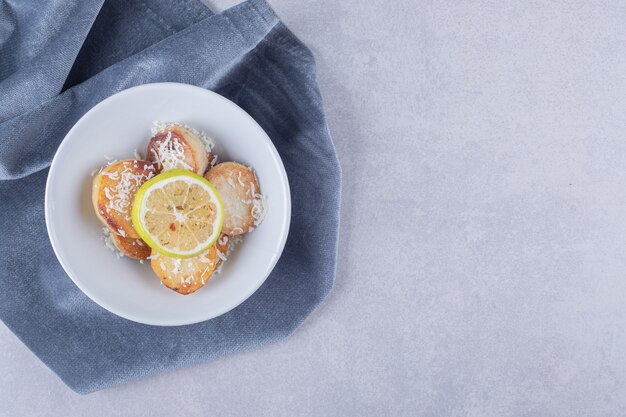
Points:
point(178, 213)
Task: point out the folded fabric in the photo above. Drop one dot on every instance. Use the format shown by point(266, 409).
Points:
point(60, 58)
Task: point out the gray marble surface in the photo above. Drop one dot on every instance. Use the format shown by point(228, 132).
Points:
point(482, 261)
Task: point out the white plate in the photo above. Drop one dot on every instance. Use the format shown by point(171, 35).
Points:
point(115, 128)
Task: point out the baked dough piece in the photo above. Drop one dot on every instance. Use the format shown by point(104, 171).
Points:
point(113, 193)
point(178, 147)
point(133, 248)
point(187, 275)
point(239, 189)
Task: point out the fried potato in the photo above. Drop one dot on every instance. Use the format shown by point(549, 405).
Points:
point(113, 192)
point(133, 248)
point(187, 275)
point(178, 146)
point(240, 193)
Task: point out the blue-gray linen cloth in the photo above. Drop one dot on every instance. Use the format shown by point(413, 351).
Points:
point(58, 58)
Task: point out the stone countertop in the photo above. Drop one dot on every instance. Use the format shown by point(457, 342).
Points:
point(482, 260)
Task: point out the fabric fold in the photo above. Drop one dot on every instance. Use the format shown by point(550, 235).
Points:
point(39, 50)
point(165, 60)
point(245, 54)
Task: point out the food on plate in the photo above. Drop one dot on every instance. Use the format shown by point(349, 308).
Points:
point(113, 193)
point(187, 275)
point(177, 208)
point(131, 247)
point(178, 213)
point(240, 192)
point(175, 146)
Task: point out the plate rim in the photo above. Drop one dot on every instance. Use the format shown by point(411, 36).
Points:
point(285, 226)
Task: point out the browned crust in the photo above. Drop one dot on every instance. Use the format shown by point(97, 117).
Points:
point(119, 222)
point(233, 182)
point(133, 248)
point(186, 276)
point(197, 161)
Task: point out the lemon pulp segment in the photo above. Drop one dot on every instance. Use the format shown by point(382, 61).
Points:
point(178, 213)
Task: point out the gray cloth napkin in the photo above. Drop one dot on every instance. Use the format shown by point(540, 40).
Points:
point(60, 58)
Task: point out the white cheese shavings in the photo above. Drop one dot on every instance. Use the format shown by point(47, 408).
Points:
point(170, 154)
point(177, 264)
point(202, 275)
point(259, 209)
point(259, 205)
point(108, 242)
point(160, 126)
point(112, 175)
point(234, 241)
point(119, 196)
point(220, 255)
point(204, 259)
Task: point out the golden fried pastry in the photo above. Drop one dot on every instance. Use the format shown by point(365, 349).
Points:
point(131, 247)
point(240, 193)
point(113, 192)
point(187, 275)
point(178, 146)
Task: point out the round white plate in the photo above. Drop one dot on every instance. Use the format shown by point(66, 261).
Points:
point(115, 128)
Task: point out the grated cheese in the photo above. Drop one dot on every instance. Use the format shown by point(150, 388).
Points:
point(170, 154)
point(234, 241)
point(108, 242)
point(160, 126)
point(119, 196)
point(205, 260)
point(259, 209)
point(112, 175)
point(259, 205)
